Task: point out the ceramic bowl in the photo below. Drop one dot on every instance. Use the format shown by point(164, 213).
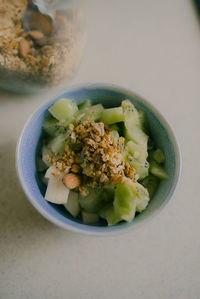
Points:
point(110, 96)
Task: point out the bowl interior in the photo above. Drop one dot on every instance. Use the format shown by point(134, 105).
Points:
point(30, 143)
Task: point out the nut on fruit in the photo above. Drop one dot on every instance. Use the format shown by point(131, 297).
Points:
point(71, 180)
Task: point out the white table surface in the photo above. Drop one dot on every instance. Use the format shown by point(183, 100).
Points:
point(153, 48)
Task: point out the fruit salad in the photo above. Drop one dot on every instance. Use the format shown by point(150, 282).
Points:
point(99, 163)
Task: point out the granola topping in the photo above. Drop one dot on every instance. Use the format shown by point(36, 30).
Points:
point(96, 155)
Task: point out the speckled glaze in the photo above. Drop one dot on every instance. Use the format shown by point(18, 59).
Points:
point(109, 96)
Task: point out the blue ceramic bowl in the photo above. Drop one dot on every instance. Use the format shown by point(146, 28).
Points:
point(109, 96)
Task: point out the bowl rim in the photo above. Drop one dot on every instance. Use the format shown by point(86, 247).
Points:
point(93, 230)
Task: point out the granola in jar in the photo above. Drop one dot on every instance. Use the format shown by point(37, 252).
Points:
point(42, 54)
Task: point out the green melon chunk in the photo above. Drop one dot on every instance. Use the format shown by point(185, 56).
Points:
point(158, 170)
point(63, 109)
point(142, 195)
point(151, 183)
point(53, 127)
point(91, 203)
point(57, 144)
point(136, 156)
point(129, 198)
point(158, 156)
point(130, 112)
point(84, 105)
point(107, 194)
point(112, 115)
point(89, 218)
point(72, 205)
point(138, 152)
point(92, 113)
point(133, 130)
point(142, 169)
point(135, 134)
point(124, 202)
point(109, 214)
point(96, 198)
point(143, 120)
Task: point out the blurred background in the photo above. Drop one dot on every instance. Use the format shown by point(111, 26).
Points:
point(153, 48)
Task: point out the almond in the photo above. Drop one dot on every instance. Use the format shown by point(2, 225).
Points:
point(71, 180)
point(35, 34)
point(24, 47)
point(40, 22)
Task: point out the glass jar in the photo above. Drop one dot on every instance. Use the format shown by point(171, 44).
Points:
point(41, 43)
